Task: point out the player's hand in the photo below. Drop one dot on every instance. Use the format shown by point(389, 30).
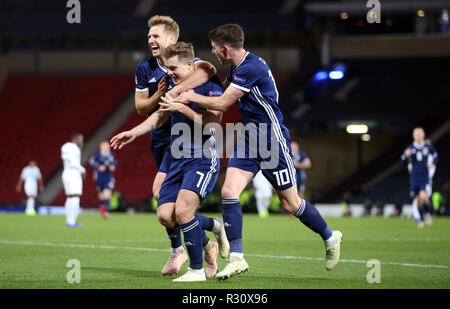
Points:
point(175, 91)
point(430, 165)
point(41, 188)
point(84, 176)
point(122, 139)
point(168, 104)
point(185, 97)
point(102, 168)
point(112, 168)
point(163, 85)
point(17, 189)
point(408, 152)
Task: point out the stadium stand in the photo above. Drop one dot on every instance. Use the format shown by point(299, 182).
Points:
point(39, 113)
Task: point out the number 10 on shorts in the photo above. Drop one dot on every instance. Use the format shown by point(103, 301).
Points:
point(282, 177)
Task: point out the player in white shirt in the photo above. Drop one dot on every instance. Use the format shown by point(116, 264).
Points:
point(72, 177)
point(263, 194)
point(31, 177)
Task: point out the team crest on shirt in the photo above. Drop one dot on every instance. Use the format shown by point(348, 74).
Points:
point(425, 151)
point(214, 93)
point(239, 79)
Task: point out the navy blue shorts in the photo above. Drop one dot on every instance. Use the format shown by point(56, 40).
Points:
point(420, 185)
point(276, 163)
point(197, 175)
point(158, 151)
point(103, 184)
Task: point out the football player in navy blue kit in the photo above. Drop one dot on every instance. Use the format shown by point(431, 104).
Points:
point(251, 85)
point(152, 82)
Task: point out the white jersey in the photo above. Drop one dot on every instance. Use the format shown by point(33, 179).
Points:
point(71, 156)
point(262, 185)
point(30, 175)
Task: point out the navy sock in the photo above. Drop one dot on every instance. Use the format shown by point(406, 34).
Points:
point(206, 223)
point(193, 240)
point(174, 236)
point(232, 217)
point(106, 203)
point(310, 217)
point(421, 211)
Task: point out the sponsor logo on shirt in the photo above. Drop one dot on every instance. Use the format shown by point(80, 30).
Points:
point(239, 79)
point(214, 93)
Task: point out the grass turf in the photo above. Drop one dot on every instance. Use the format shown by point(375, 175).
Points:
point(128, 251)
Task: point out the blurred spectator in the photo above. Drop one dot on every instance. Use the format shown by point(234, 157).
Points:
point(398, 209)
point(367, 207)
point(380, 208)
point(346, 205)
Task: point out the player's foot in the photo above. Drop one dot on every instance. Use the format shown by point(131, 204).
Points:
point(30, 212)
point(428, 219)
point(103, 211)
point(74, 225)
point(333, 251)
point(421, 224)
point(222, 240)
point(211, 251)
point(264, 214)
point(235, 266)
point(192, 275)
point(173, 265)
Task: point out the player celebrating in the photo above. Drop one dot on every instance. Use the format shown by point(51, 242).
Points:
point(422, 159)
point(152, 83)
point(31, 178)
point(104, 163)
point(71, 177)
point(263, 194)
point(193, 171)
point(254, 90)
point(301, 162)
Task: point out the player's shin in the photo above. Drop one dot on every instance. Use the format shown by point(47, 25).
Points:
point(310, 216)
point(232, 217)
point(193, 235)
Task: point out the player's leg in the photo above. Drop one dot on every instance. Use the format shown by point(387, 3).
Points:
point(72, 187)
point(185, 207)
point(173, 233)
point(310, 217)
point(423, 197)
point(236, 180)
point(31, 191)
point(105, 198)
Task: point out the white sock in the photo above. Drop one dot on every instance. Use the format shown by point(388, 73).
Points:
point(216, 227)
point(415, 211)
point(266, 203)
point(199, 271)
point(260, 205)
point(68, 209)
point(180, 248)
point(238, 255)
point(30, 204)
point(330, 240)
point(76, 207)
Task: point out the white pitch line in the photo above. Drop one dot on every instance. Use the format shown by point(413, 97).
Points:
point(284, 257)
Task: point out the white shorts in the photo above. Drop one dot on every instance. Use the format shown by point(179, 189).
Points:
point(73, 184)
point(31, 188)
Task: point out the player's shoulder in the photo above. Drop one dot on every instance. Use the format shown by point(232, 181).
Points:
point(212, 87)
point(147, 63)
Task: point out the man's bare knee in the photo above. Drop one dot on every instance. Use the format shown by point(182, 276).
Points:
point(228, 192)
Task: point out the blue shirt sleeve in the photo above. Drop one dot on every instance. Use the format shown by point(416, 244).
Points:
point(245, 77)
point(93, 161)
point(141, 78)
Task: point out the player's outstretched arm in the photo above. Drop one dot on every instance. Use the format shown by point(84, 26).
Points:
point(19, 185)
point(203, 72)
point(221, 104)
point(197, 116)
point(151, 123)
point(144, 104)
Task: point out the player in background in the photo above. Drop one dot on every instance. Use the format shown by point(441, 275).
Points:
point(192, 174)
point(263, 194)
point(152, 82)
point(31, 178)
point(72, 177)
point(301, 162)
point(251, 84)
point(422, 159)
point(104, 163)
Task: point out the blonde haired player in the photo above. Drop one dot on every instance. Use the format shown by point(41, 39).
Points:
point(31, 178)
point(72, 177)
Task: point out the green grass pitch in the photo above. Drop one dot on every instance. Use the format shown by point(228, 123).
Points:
point(128, 251)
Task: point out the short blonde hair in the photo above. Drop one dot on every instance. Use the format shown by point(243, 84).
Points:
point(170, 25)
point(184, 51)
